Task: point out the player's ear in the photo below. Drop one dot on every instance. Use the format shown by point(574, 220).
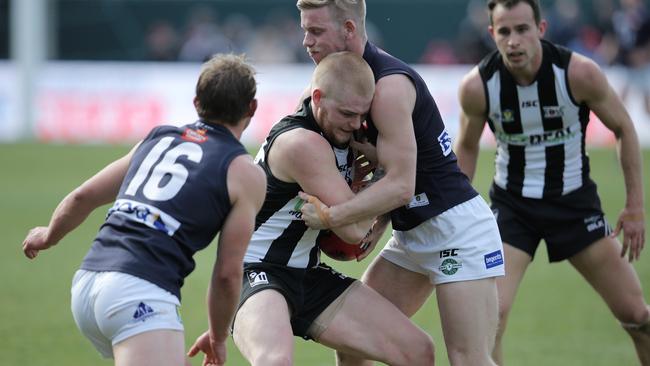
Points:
point(316, 96)
point(491, 31)
point(252, 107)
point(350, 28)
point(542, 28)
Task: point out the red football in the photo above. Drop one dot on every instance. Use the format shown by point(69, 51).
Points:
point(335, 248)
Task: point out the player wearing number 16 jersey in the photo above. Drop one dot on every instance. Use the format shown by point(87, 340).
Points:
point(175, 191)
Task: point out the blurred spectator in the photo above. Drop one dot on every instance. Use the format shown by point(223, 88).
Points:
point(630, 26)
point(273, 43)
point(439, 52)
point(587, 42)
point(565, 22)
point(473, 40)
point(607, 48)
point(239, 31)
point(203, 37)
point(642, 52)
point(162, 42)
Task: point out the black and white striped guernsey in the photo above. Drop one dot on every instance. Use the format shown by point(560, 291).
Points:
point(539, 128)
point(280, 236)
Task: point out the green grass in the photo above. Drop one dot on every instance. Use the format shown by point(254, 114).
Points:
point(557, 318)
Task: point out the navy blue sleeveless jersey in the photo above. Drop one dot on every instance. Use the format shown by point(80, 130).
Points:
point(172, 203)
point(439, 183)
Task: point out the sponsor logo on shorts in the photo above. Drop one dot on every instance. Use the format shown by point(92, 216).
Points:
point(143, 312)
point(493, 259)
point(450, 266)
point(448, 253)
point(418, 201)
point(594, 223)
point(257, 278)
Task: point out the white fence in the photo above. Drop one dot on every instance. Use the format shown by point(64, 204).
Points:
point(89, 102)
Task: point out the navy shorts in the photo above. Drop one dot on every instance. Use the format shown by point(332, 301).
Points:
point(568, 223)
point(308, 291)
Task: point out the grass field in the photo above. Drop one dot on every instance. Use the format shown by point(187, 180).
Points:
point(557, 319)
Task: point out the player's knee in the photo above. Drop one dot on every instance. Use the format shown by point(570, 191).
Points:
point(272, 359)
point(420, 351)
point(344, 359)
point(636, 314)
point(638, 320)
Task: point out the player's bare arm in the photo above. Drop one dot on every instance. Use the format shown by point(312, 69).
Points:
point(306, 158)
point(391, 111)
point(588, 84)
point(472, 121)
point(99, 190)
point(246, 188)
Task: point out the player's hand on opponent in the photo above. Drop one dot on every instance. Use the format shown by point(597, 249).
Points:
point(362, 147)
point(632, 223)
point(36, 240)
point(377, 230)
point(365, 150)
point(368, 243)
point(315, 213)
point(214, 351)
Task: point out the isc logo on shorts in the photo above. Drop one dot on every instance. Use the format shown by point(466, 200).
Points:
point(493, 259)
point(257, 278)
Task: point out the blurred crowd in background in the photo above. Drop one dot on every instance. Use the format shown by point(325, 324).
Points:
point(440, 32)
point(611, 32)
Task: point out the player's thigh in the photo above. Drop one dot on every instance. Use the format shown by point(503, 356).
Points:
point(406, 289)
point(613, 277)
point(516, 263)
point(367, 324)
point(152, 348)
point(468, 312)
point(262, 324)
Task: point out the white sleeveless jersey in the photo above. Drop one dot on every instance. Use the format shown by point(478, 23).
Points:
point(281, 237)
point(539, 128)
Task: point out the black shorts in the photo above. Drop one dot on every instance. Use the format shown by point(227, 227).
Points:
point(308, 291)
point(568, 224)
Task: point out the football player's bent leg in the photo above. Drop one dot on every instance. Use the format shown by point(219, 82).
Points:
point(262, 330)
point(517, 262)
point(617, 283)
point(156, 347)
point(405, 289)
point(640, 334)
point(468, 313)
point(369, 326)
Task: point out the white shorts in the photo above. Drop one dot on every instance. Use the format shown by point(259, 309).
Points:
point(110, 307)
point(460, 244)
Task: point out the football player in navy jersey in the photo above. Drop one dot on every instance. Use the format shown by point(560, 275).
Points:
point(444, 234)
point(287, 291)
point(175, 191)
point(536, 98)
